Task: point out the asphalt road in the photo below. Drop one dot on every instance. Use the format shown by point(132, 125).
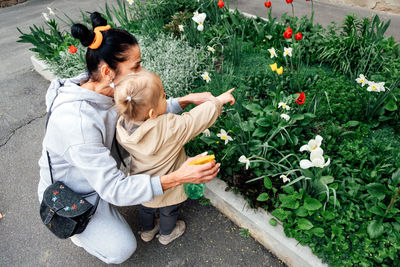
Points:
point(211, 239)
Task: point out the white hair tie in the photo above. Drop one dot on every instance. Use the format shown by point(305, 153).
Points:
point(129, 98)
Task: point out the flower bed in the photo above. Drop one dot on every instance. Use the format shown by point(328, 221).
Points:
point(314, 135)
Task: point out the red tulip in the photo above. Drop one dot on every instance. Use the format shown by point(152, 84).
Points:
point(301, 99)
point(221, 4)
point(267, 4)
point(298, 36)
point(289, 1)
point(72, 49)
point(288, 33)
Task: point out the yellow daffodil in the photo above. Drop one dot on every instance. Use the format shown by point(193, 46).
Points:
point(279, 70)
point(274, 67)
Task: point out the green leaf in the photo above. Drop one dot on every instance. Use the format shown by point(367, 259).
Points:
point(273, 222)
point(351, 124)
point(297, 117)
point(318, 231)
point(281, 214)
point(267, 182)
point(375, 229)
point(304, 224)
point(326, 179)
point(265, 122)
point(396, 177)
point(289, 201)
point(301, 212)
point(377, 190)
point(328, 215)
point(377, 210)
point(260, 132)
point(391, 105)
point(255, 108)
point(312, 204)
point(263, 197)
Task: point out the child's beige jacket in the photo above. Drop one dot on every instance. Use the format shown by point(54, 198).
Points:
point(156, 146)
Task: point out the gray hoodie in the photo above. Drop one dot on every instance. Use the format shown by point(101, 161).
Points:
point(79, 138)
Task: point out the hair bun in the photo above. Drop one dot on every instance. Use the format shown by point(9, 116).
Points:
point(82, 33)
point(97, 20)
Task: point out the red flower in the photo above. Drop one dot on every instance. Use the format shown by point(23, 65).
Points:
point(288, 33)
point(301, 99)
point(298, 36)
point(221, 4)
point(307, 0)
point(74, 207)
point(55, 193)
point(289, 1)
point(72, 49)
point(267, 4)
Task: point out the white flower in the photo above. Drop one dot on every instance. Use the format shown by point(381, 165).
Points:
point(180, 27)
point(51, 12)
point(272, 52)
point(287, 52)
point(362, 80)
point(211, 49)
point(283, 105)
point(244, 160)
point(224, 136)
point(381, 86)
point(284, 178)
point(130, 2)
point(285, 117)
point(313, 144)
point(206, 77)
point(199, 19)
point(46, 17)
point(207, 132)
point(373, 87)
point(317, 160)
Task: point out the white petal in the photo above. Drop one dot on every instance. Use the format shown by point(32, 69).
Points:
point(200, 27)
point(202, 17)
point(223, 132)
point(305, 164)
point(247, 164)
point(318, 162)
point(316, 153)
point(229, 138)
point(327, 163)
point(318, 139)
point(242, 159)
point(305, 147)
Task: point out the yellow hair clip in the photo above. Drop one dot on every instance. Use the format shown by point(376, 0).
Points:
point(98, 38)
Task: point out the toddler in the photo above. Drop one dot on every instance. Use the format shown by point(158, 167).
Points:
point(155, 143)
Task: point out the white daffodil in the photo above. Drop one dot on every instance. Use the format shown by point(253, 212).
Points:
point(180, 27)
point(51, 12)
point(211, 49)
point(313, 144)
point(244, 160)
point(316, 160)
point(381, 86)
point(373, 87)
point(362, 80)
point(206, 77)
point(283, 105)
point(199, 19)
point(46, 17)
point(284, 178)
point(224, 136)
point(207, 132)
point(285, 117)
point(130, 2)
point(287, 52)
point(272, 52)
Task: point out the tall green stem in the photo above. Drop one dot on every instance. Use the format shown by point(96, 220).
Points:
point(394, 198)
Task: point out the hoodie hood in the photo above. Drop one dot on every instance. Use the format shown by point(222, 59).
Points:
point(70, 91)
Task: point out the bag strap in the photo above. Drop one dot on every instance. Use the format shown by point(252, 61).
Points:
point(115, 143)
point(51, 173)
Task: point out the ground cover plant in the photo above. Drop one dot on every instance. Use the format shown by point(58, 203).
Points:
point(314, 135)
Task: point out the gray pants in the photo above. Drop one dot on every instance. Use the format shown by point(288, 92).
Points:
point(168, 218)
point(107, 236)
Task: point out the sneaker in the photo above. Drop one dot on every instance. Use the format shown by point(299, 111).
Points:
point(177, 232)
point(147, 236)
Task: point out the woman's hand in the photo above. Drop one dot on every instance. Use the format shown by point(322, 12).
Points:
point(195, 98)
point(194, 174)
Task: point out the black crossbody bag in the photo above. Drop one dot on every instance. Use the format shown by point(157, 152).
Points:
point(63, 211)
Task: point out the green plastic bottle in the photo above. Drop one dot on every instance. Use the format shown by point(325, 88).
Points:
point(196, 191)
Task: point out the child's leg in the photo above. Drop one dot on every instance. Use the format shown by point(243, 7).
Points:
point(146, 217)
point(168, 218)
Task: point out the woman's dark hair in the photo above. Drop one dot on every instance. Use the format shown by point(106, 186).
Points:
point(112, 49)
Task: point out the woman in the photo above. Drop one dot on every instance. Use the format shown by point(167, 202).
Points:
point(80, 135)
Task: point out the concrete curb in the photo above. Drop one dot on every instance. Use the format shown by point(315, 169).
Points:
point(41, 67)
point(257, 221)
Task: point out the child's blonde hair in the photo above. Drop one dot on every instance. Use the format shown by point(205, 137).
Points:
point(137, 93)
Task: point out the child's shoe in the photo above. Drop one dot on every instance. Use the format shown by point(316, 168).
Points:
point(147, 236)
point(177, 232)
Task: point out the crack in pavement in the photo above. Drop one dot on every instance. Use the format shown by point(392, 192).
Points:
point(21, 126)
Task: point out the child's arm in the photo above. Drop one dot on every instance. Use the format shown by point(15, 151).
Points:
point(182, 128)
